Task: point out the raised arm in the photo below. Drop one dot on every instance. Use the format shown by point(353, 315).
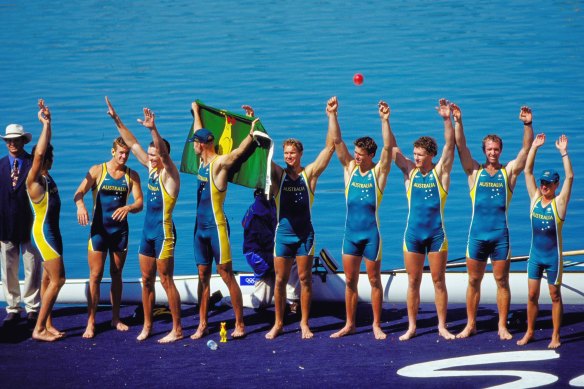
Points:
point(127, 135)
point(564, 196)
point(198, 123)
point(401, 161)
point(171, 176)
point(228, 160)
point(469, 165)
point(315, 169)
point(384, 165)
point(34, 184)
point(516, 166)
point(334, 132)
point(88, 182)
point(532, 188)
point(444, 166)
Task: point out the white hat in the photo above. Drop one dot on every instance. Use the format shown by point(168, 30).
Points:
point(16, 131)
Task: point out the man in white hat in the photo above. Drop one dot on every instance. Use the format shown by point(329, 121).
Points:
point(15, 226)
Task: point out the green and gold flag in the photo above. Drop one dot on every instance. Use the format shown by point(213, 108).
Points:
point(229, 129)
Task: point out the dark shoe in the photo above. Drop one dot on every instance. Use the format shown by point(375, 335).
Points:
point(293, 307)
point(31, 318)
point(215, 298)
point(11, 319)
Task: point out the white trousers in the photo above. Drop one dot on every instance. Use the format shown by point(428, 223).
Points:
point(33, 270)
point(263, 293)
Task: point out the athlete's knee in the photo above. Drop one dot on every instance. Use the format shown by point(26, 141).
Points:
point(474, 281)
point(502, 280)
point(555, 296)
point(305, 281)
point(414, 281)
point(439, 283)
point(60, 281)
point(95, 275)
point(116, 275)
point(281, 280)
point(374, 281)
point(352, 281)
point(165, 281)
point(148, 281)
point(533, 296)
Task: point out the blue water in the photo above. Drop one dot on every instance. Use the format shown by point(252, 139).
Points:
point(286, 59)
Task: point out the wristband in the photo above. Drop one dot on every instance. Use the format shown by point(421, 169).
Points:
point(564, 155)
point(528, 124)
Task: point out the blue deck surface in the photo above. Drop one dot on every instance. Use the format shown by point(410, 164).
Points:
point(116, 359)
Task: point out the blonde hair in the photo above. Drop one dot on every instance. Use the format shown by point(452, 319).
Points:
point(293, 142)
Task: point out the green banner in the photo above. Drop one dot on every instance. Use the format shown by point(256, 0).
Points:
point(229, 129)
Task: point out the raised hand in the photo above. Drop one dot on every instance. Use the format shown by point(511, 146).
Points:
point(253, 124)
point(248, 110)
point(148, 121)
point(562, 144)
point(194, 108)
point(456, 112)
point(384, 110)
point(110, 109)
point(444, 108)
point(539, 140)
point(525, 115)
point(44, 113)
point(332, 106)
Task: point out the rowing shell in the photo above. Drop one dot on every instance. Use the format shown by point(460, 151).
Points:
point(329, 286)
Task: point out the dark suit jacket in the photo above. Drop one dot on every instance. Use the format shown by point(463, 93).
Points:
point(15, 212)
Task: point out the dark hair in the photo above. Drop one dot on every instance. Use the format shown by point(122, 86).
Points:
point(427, 143)
point(293, 142)
point(48, 153)
point(165, 142)
point(492, 138)
point(367, 144)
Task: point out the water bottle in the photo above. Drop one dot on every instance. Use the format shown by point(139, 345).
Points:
point(211, 344)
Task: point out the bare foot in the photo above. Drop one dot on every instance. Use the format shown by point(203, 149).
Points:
point(44, 335)
point(119, 326)
point(466, 332)
point(504, 334)
point(306, 333)
point(56, 332)
point(172, 336)
point(555, 343)
point(346, 330)
point(443, 332)
point(238, 332)
point(409, 334)
point(144, 334)
point(89, 331)
point(526, 339)
point(202, 330)
point(274, 332)
point(378, 333)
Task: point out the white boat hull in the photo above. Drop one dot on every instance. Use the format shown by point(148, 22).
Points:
point(332, 289)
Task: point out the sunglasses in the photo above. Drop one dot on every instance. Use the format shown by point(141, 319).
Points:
point(546, 183)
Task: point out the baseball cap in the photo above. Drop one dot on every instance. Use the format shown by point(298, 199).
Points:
point(202, 135)
point(549, 175)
